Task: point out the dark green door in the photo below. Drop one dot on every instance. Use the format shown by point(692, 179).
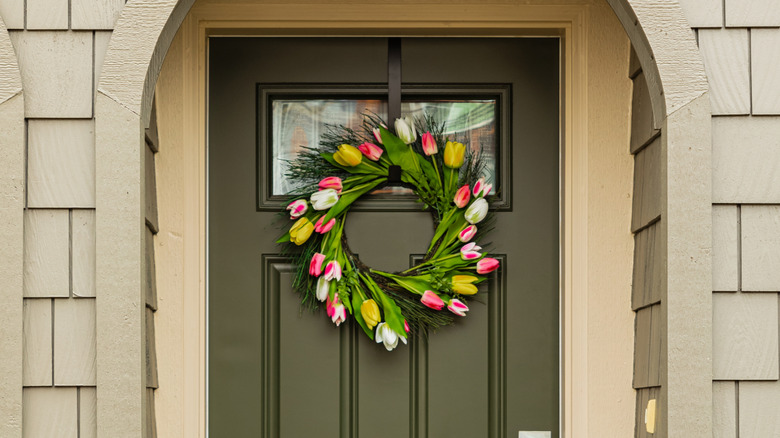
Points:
point(277, 371)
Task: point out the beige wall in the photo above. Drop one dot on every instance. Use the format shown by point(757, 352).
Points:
point(740, 44)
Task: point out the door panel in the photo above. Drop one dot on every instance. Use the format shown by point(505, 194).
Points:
point(276, 370)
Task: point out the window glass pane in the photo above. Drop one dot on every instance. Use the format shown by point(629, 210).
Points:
point(298, 123)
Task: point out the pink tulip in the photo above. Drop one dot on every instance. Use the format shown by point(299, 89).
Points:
point(481, 189)
point(322, 229)
point(432, 300)
point(467, 233)
point(371, 151)
point(377, 135)
point(462, 196)
point(457, 307)
point(333, 271)
point(331, 182)
point(406, 327)
point(297, 208)
point(336, 311)
point(429, 144)
point(315, 267)
point(470, 251)
point(487, 265)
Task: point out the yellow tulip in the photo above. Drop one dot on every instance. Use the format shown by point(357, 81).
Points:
point(453, 154)
point(370, 312)
point(462, 284)
point(301, 230)
point(348, 156)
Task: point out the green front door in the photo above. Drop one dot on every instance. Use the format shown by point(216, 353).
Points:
point(275, 370)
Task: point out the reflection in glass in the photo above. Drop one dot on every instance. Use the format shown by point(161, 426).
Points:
point(298, 123)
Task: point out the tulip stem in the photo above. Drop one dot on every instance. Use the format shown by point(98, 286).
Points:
point(429, 262)
point(436, 168)
point(358, 187)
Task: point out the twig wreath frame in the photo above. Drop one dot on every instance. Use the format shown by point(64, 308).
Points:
point(389, 306)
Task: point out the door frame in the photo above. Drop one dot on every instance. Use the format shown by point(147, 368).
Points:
point(569, 22)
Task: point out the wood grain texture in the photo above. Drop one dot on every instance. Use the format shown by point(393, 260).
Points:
point(746, 160)
point(151, 134)
point(729, 76)
point(745, 338)
point(150, 284)
point(643, 396)
point(724, 410)
point(87, 409)
point(151, 414)
point(46, 253)
point(761, 248)
point(764, 65)
point(50, 413)
point(56, 73)
point(703, 13)
point(642, 123)
point(150, 197)
point(759, 416)
point(95, 14)
point(37, 356)
point(12, 12)
point(151, 351)
point(647, 349)
point(47, 14)
point(61, 164)
point(649, 280)
point(74, 342)
point(752, 13)
point(102, 38)
point(725, 257)
point(83, 253)
point(647, 200)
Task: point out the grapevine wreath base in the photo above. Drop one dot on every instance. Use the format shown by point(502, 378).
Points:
point(350, 164)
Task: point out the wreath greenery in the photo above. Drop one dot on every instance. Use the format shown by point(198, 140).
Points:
point(387, 305)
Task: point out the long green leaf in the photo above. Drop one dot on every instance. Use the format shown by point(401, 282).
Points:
point(346, 200)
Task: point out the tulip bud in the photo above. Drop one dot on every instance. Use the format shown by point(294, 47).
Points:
point(429, 144)
point(370, 312)
point(453, 154)
point(462, 196)
point(404, 129)
point(467, 233)
point(323, 287)
point(462, 284)
point(371, 151)
point(457, 307)
point(333, 271)
point(377, 135)
point(430, 299)
point(331, 182)
point(315, 266)
point(406, 327)
point(324, 199)
point(322, 229)
point(336, 310)
point(487, 265)
point(470, 251)
point(348, 156)
point(300, 231)
point(476, 211)
point(388, 336)
point(297, 208)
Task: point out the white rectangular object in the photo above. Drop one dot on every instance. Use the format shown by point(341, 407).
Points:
point(534, 434)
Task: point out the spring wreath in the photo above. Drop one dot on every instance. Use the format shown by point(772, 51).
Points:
point(350, 164)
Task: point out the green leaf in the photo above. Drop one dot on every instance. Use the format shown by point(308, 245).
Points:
point(393, 316)
point(398, 151)
point(357, 301)
point(414, 284)
point(346, 200)
point(285, 238)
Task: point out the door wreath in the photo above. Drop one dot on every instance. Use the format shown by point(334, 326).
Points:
point(388, 306)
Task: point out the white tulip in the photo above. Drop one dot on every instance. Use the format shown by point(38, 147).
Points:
point(323, 287)
point(476, 211)
point(388, 336)
point(404, 129)
point(324, 199)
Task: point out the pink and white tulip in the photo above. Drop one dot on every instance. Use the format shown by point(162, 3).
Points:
point(333, 271)
point(432, 300)
point(371, 151)
point(470, 251)
point(429, 144)
point(388, 336)
point(323, 287)
point(336, 310)
point(457, 307)
point(482, 189)
point(487, 265)
point(322, 229)
point(467, 233)
point(462, 196)
point(315, 266)
point(331, 182)
point(377, 135)
point(297, 208)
